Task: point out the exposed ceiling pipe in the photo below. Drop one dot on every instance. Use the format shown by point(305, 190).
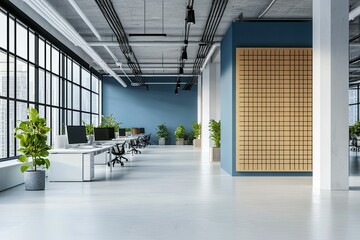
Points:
point(158, 68)
point(92, 28)
point(211, 52)
point(159, 75)
point(143, 43)
point(354, 13)
point(44, 9)
point(266, 9)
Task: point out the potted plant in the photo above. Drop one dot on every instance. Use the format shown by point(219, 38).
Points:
point(32, 136)
point(215, 133)
point(197, 133)
point(162, 134)
point(179, 135)
point(128, 131)
point(89, 127)
point(188, 138)
point(110, 122)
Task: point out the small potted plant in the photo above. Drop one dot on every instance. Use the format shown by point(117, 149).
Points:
point(31, 134)
point(179, 135)
point(215, 133)
point(197, 133)
point(128, 132)
point(89, 132)
point(162, 134)
point(188, 139)
point(110, 122)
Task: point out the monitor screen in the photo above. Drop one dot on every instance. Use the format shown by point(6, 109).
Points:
point(104, 134)
point(122, 132)
point(76, 134)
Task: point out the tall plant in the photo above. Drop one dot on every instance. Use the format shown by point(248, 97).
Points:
point(109, 122)
point(215, 131)
point(162, 131)
point(32, 136)
point(179, 132)
point(196, 129)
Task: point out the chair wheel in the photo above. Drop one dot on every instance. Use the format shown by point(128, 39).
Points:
point(108, 164)
point(122, 164)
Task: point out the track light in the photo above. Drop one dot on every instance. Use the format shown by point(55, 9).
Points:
point(178, 85)
point(184, 54)
point(190, 16)
point(181, 71)
point(176, 91)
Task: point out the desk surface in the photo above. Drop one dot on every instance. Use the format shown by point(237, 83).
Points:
point(81, 150)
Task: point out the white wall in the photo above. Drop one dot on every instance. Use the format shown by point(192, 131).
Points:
point(10, 174)
point(210, 96)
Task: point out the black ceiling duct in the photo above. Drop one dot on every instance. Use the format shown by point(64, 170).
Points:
point(184, 54)
point(190, 17)
point(216, 12)
point(181, 71)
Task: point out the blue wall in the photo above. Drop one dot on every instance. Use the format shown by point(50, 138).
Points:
point(251, 34)
point(137, 107)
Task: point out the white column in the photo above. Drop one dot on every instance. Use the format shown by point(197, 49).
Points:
point(330, 94)
point(210, 102)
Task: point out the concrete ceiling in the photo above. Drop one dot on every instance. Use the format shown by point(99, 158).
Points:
point(140, 16)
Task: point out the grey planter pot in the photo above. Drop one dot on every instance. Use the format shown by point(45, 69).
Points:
point(197, 143)
point(180, 142)
point(215, 154)
point(161, 141)
point(34, 180)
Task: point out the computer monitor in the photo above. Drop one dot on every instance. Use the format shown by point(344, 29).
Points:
point(122, 132)
point(76, 134)
point(142, 130)
point(104, 134)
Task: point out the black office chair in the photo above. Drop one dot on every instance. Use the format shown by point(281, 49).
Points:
point(118, 151)
point(134, 144)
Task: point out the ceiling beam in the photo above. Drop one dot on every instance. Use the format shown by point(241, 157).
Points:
point(142, 43)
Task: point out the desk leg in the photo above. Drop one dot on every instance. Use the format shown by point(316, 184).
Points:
point(109, 160)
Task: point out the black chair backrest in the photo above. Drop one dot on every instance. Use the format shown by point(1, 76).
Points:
point(121, 148)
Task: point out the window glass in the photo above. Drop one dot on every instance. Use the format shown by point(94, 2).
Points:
point(21, 79)
point(41, 86)
point(48, 56)
point(69, 95)
point(48, 123)
point(76, 118)
point(3, 128)
point(85, 100)
point(86, 118)
point(55, 61)
point(31, 83)
point(352, 96)
point(55, 90)
point(55, 129)
point(69, 118)
point(95, 120)
point(11, 35)
point(21, 115)
point(42, 111)
point(353, 112)
point(41, 53)
point(95, 84)
point(11, 128)
point(3, 74)
point(76, 97)
point(3, 30)
point(11, 77)
point(31, 47)
point(48, 88)
point(85, 78)
point(21, 40)
point(69, 69)
point(76, 73)
point(95, 103)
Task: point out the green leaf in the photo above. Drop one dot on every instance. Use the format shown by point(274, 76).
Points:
point(22, 158)
point(47, 163)
point(23, 168)
point(33, 114)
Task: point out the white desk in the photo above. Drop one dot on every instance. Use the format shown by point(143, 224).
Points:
point(74, 164)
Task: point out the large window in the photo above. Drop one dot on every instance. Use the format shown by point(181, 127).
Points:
point(353, 104)
point(34, 72)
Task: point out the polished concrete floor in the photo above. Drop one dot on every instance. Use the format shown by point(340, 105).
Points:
point(175, 193)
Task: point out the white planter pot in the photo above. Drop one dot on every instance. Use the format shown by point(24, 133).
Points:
point(197, 143)
point(214, 154)
point(180, 141)
point(90, 139)
point(34, 180)
point(161, 141)
point(60, 141)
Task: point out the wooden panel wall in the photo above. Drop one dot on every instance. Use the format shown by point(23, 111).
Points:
point(273, 109)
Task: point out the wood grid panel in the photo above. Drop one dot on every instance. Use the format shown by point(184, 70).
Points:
point(273, 109)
